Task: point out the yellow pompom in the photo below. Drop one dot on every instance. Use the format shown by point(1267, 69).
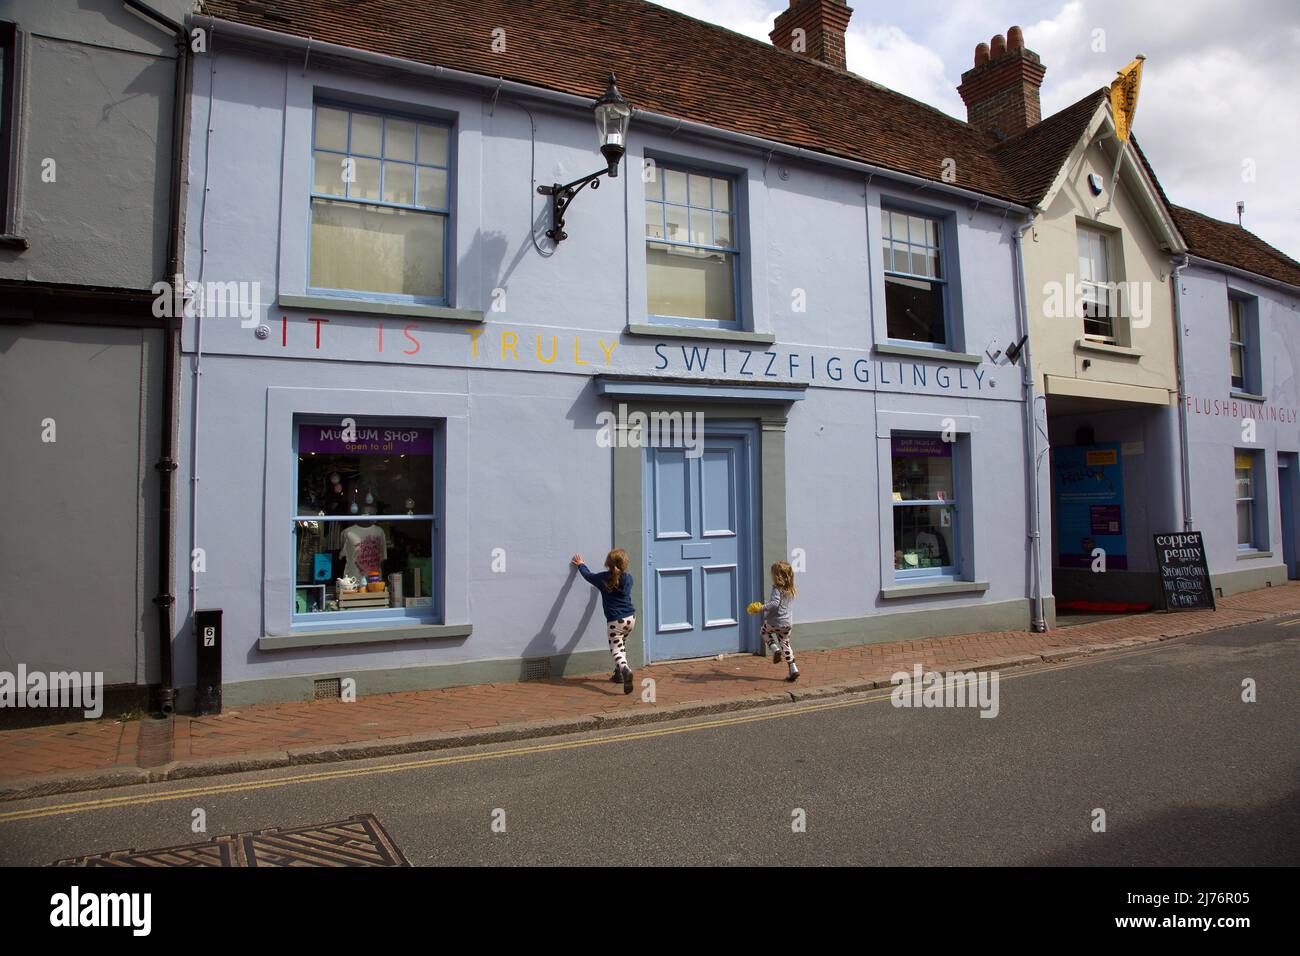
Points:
point(755, 607)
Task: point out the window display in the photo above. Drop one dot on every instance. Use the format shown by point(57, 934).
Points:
point(924, 504)
point(365, 518)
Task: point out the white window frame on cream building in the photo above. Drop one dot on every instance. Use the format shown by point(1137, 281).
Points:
point(1097, 254)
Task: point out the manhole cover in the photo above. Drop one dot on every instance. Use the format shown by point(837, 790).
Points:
point(356, 841)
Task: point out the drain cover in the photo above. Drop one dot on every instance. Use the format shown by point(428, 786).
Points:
point(356, 841)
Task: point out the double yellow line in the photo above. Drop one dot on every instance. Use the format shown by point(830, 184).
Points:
point(109, 803)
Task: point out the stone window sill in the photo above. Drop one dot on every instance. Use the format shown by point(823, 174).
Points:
point(686, 332)
point(937, 355)
point(1249, 555)
point(1106, 348)
point(14, 242)
point(1247, 396)
point(372, 635)
point(329, 303)
point(936, 587)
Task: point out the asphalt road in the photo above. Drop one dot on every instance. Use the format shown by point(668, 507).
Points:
point(1160, 739)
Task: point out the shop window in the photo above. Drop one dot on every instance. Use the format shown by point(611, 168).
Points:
point(916, 286)
point(1241, 343)
point(1252, 512)
point(925, 505)
point(692, 248)
point(1100, 303)
point(365, 520)
point(380, 203)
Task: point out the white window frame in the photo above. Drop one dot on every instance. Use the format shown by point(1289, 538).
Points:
point(1103, 287)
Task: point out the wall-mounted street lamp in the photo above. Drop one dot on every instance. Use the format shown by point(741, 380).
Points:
point(613, 113)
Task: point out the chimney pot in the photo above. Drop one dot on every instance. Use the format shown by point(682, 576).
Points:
point(1001, 90)
point(814, 28)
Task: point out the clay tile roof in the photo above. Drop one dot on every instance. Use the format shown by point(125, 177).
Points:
point(1032, 159)
point(666, 63)
point(1230, 244)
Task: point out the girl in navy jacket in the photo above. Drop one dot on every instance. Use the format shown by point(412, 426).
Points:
point(615, 587)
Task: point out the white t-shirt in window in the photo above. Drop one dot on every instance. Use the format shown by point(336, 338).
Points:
point(364, 549)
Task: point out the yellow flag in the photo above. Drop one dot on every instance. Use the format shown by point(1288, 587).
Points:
point(1124, 97)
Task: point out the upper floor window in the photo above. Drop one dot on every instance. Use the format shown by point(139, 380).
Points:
point(691, 248)
point(8, 77)
point(1099, 311)
point(1241, 344)
point(1237, 341)
point(380, 202)
point(916, 305)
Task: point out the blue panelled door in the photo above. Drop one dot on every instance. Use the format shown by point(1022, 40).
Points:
point(699, 531)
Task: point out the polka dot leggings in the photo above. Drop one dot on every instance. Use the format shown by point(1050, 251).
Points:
point(779, 636)
point(618, 632)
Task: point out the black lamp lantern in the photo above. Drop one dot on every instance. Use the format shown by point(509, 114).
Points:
point(613, 114)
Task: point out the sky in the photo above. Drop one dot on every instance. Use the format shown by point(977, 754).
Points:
point(1219, 111)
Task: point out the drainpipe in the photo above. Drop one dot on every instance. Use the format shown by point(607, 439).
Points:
point(1031, 432)
point(199, 306)
point(1183, 451)
point(164, 694)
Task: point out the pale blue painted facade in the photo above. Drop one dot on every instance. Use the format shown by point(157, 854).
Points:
point(524, 481)
point(1261, 419)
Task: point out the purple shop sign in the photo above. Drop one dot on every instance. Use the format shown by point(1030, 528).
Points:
point(369, 440)
point(920, 446)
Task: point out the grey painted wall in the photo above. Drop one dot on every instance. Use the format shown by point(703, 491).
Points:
point(97, 85)
point(522, 429)
point(79, 513)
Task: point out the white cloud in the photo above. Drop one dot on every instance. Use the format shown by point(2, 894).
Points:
point(750, 17)
point(888, 56)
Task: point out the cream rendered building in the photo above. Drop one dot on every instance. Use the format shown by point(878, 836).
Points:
point(1097, 263)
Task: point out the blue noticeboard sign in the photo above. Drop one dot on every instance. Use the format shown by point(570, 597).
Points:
point(1090, 505)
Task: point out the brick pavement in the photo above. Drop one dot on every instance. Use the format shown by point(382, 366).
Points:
point(80, 751)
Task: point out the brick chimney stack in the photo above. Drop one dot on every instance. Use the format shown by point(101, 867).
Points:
point(1001, 90)
point(814, 28)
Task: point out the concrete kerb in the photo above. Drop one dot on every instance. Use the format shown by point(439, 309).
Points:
point(52, 784)
point(47, 785)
